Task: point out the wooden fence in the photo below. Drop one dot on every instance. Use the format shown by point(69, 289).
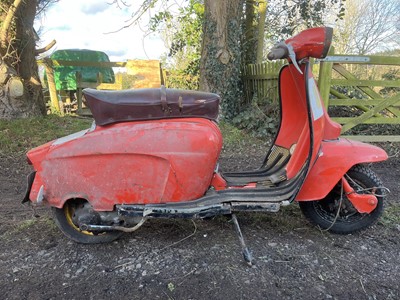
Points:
point(147, 74)
point(261, 80)
point(368, 98)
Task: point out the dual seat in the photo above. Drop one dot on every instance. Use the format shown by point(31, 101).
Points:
point(110, 107)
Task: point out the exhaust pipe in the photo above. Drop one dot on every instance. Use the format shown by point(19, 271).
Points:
point(88, 227)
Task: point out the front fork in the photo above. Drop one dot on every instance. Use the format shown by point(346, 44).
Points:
point(363, 203)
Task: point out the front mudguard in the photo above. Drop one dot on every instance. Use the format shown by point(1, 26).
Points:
point(336, 157)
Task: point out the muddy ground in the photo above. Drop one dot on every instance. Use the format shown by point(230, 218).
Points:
point(185, 259)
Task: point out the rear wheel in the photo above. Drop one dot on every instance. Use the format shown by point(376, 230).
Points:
point(345, 219)
point(79, 211)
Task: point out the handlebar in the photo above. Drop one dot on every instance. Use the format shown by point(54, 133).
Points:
point(278, 52)
point(283, 50)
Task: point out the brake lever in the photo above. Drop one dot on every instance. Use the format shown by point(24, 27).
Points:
point(292, 56)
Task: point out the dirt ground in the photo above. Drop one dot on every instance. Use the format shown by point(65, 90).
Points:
point(200, 259)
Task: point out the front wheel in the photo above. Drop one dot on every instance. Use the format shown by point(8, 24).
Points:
point(345, 219)
point(74, 211)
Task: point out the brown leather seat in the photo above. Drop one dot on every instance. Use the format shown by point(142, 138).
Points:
point(147, 104)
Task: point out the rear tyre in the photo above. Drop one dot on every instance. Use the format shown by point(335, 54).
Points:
point(66, 219)
point(323, 212)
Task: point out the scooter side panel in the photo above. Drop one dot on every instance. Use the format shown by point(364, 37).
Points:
point(294, 133)
point(335, 159)
point(137, 162)
point(293, 107)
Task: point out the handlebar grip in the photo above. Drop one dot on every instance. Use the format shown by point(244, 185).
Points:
point(277, 53)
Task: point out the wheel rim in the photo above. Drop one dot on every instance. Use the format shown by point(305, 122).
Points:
point(69, 211)
point(328, 208)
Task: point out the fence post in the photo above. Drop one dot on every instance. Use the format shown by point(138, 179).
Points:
point(48, 64)
point(324, 79)
point(78, 76)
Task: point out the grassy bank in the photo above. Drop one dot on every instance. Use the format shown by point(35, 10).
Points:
point(17, 136)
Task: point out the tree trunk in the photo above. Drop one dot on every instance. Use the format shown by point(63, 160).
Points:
point(221, 53)
point(262, 12)
point(20, 88)
point(250, 29)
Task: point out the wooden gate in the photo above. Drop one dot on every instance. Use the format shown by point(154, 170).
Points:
point(370, 96)
point(368, 86)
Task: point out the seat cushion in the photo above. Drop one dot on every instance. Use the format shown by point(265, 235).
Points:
point(146, 104)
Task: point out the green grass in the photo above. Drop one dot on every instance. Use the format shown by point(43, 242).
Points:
point(391, 215)
point(236, 139)
point(232, 135)
point(18, 136)
point(42, 222)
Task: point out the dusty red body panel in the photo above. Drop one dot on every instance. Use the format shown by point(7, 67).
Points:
point(294, 124)
point(335, 159)
point(295, 129)
point(294, 110)
point(135, 162)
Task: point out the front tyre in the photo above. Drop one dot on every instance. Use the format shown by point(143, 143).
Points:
point(324, 213)
point(67, 220)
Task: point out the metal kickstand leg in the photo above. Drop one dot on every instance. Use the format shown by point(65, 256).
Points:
point(246, 253)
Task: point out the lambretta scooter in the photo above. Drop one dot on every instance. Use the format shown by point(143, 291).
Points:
point(153, 153)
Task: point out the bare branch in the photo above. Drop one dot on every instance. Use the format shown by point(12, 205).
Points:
point(144, 7)
point(117, 3)
point(43, 5)
point(46, 48)
point(7, 22)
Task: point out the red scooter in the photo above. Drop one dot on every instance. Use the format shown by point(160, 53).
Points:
point(153, 153)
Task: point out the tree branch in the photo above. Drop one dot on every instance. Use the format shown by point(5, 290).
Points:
point(144, 7)
point(44, 49)
point(7, 22)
